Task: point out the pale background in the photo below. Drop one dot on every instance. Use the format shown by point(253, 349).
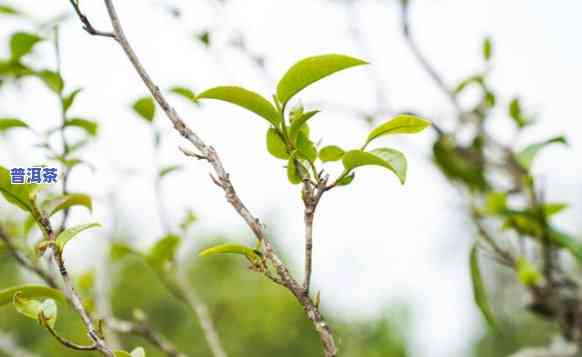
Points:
point(375, 243)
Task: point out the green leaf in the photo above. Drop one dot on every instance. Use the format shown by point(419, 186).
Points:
point(31, 291)
point(250, 253)
point(120, 250)
point(401, 124)
point(52, 80)
point(168, 170)
point(551, 209)
point(204, 38)
point(527, 273)
point(292, 173)
point(8, 10)
point(163, 251)
point(145, 107)
point(526, 156)
point(67, 201)
point(311, 70)
point(22, 43)
point(479, 293)
point(306, 147)
point(65, 236)
point(276, 145)
point(11, 123)
point(189, 219)
point(138, 352)
point(89, 126)
point(475, 79)
point(495, 203)
point(70, 99)
point(19, 195)
point(516, 113)
point(120, 353)
point(346, 180)
point(246, 99)
point(487, 48)
point(299, 123)
point(331, 153)
point(566, 241)
point(184, 92)
point(26, 307)
point(391, 159)
point(48, 313)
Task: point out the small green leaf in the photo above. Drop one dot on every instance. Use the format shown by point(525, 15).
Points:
point(516, 113)
point(120, 353)
point(168, 170)
point(138, 352)
point(22, 43)
point(526, 156)
point(231, 249)
point(145, 108)
point(551, 209)
point(246, 99)
point(52, 80)
point(495, 203)
point(306, 147)
point(120, 250)
point(391, 159)
point(163, 251)
point(292, 173)
point(26, 307)
point(11, 123)
point(70, 99)
point(527, 273)
point(479, 293)
point(48, 313)
point(311, 70)
point(204, 38)
point(8, 10)
point(331, 153)
point(65, 236)
point(487, 48)
point(185, 93)
point(19, 195)
point(31, 291)
point(89, 126)
point(276, 145)
point(401, 124)
point(67, 201)
point(346, 180)
point(566, 241)
point(189, 219)
point(475, 79)
point(299, 123)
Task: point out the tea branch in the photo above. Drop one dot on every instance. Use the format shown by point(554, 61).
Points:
point(222, 179)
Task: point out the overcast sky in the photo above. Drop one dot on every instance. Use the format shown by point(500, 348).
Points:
point(375, 242)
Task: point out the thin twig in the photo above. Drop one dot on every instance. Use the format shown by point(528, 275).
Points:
point(23, 262)
point(87, 26)
point(144, 330)
point(64, 341)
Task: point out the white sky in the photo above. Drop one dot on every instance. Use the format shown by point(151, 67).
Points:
point(376, 242)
